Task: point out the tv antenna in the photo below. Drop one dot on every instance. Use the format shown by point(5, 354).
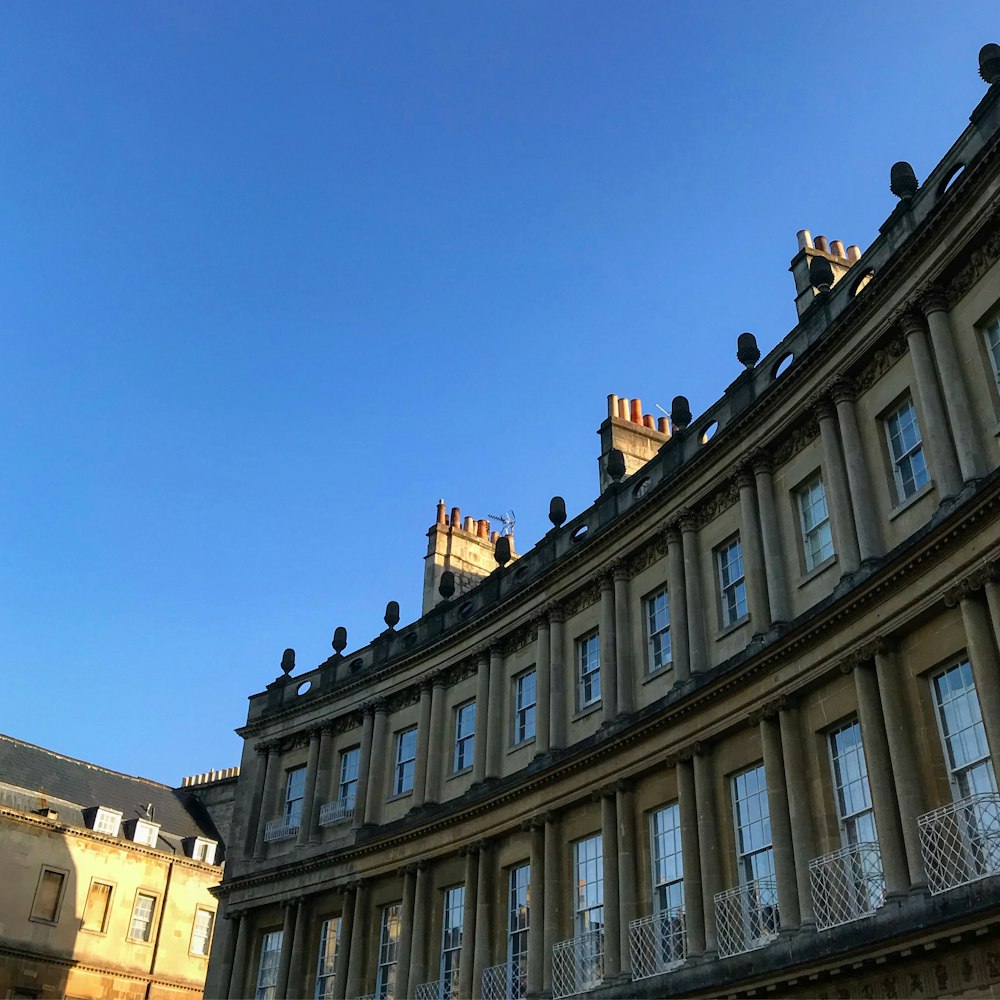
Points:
point(506, 520)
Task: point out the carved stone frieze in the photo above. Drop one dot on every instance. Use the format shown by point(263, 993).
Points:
point(972, 582)
point(719, 502)
point(589, 594)
point(799, 436)
point(979, 263)
point(881, 360)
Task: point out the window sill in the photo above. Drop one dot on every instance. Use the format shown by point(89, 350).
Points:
point(514, 747)
point(906, 504)
point(817, 570)
point(400, 795)
point(42, 920)
point(658, 672)
point(726, 630)
point(586, 710)
point(458, 774)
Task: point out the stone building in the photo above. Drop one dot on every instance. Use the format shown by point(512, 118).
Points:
point(105, 878)
point(726, 732)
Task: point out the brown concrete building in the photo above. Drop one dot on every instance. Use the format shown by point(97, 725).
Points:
point(729, 731)
point(105, 878)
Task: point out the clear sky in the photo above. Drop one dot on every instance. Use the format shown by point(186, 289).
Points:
point(276, 277)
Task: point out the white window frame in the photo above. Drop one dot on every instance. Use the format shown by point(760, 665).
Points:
point(897, 456)
point(350, 766)
point(463, 751)
point(744, 820)
point(588, 670)
point(107, 821)
point(452, 929)
point(146, 833)
point(388, 952)
point(736, 610)
point(406, 767)
point(326, 959)
point(294, 796)
point(267, 966)
point(852, 821)
point(525, 710)
point(991, 337)
point(664, 828)
point(588, 916)
point(658, 637)
point(203, 849)
point(143, 923)
point(202, 936)
point(817, 532)
point(518, 924)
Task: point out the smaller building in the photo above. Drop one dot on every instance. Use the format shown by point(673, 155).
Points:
point(105, 878)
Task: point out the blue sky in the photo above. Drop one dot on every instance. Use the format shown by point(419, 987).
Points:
point(275, 277)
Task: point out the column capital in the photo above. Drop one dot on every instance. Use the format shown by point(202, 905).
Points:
point(971, 583)
point(605, 580)
point(540, 619)
point(865, 653)
point(931, 297)
point(439, 678)
point(469, 850)
point(911, 320)
point(619, 569)
point(761, 461)
point(408, 869)
point(672, 530)
point(743, 473)
point(842, 389)
point(374, 706)
point(554, 611)
point(687, 519)
point(821, 404)
point(604, 792)
point(263, 748)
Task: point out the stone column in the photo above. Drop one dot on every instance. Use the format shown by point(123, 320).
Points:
point(309, 810)
point(437, 738)
point(220, 962)
point(364, 765)
point(677, 603)
point(966, 431)
point(985, 666)
point(627, 874)
point(905, 773)
point(479, 746)
point(543, 676)
point(865, 510)
point(552, 889)
point(257, 819)
point(466, 958)
point(753, 551)
point(290, 907)
point(781, 828)
point(357, 961)
point(612, 900)
point(708, 840)
point(623, 639)
point(845, 536)
point(296, 984)
point(241, 956)
point(609, 663)
point(934, 426)
point(406, 927)
point(697, 612)
point(484, 914)
point(375, 793)
point(885, 805)
point(557, 679)
point(770, 527)
point(795, 760)
point(694, 904)
point(496, 722)
point(344, 943)
point(418, 949)
point(536, 910)
point(423, 747)
point(322, 790)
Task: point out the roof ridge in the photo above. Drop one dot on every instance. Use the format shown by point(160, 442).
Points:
point(87, 763)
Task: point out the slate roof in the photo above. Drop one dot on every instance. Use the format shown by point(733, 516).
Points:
point(32, 777)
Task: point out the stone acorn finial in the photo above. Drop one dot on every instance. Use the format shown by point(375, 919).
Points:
point(446, 588)
point(820, 274)
point(903, 181)
point(339, 639)
point(747, 351)
point(557, 511)
point(392, 614)
point(680, 412)
point(616, 465)
point(501, 551)
point(288, 661)
point(989, 63)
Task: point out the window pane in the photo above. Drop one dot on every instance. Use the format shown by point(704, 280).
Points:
point(46, 905)
point(95, 911)
point(329, 937)
point(142, 917)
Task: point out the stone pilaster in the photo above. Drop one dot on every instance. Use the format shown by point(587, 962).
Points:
point(344, 944)
point(753, 551)
point(609, 661)
point(479, 747)
point(420, 765)
point(309, 810)
point(467, 956)
point(795, 762)
point(406, 922)
point(770, 527)
point(557, 681)
point(536, 913)
point(693, 902)
point(496, 729)
point(677, 602)
point(612, 884)
point(357, 959)
point(257, 819)
point(708, 840)
point(845, 537)
point(781, 827)
point(290, 907)
point(241, 955)
point(543, 677)
point(376, 771)
point(437, 739)
point(623, 645)
point(484, 912)
point(322, 789)
point(364, 765)
point(697, 612)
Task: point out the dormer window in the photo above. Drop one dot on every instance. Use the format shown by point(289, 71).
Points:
point(202, 849)
point(107, 821)
point(146, 833)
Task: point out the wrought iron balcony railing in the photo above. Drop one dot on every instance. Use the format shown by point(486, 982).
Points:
point(577, 964)
point(746, 917)
point(657, 943)
point(961, 842)
point(280, 829)
point(339, 811)
point(505, 982)
point(847, 885)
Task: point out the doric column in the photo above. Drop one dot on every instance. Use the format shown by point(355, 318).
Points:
point(557, 679)
point(781, 828)
point(985, 666)
point(484, 914)
point(309, 809)
point(845, 536)
point(677, 603)
point(967, 432)
point(543, 676)
point(609, 662)
point(612, 900)
point(770, 528)
point(623, 645)
point(865, 510)
point(496, 728)
point(238, 978)
point(795, 761)
point(322, 789)
point(697, 612)
point(466, 958)
point(296, 972)
point(885, 805)
point(257, 819)
point(418, 949)
point(905, 773)
point(708, 840)
point(753, 551)
point(344, 943)
point(934, 426)
point(364, 765)
point(536, 911)
point(357, 961)
point(694, 904)
point(423, 746)
point(437, 738)
point(479, 746)
point(552, 889)
point(405, 950)
point(628, 880)
point(376, 772)
point(290, 907)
